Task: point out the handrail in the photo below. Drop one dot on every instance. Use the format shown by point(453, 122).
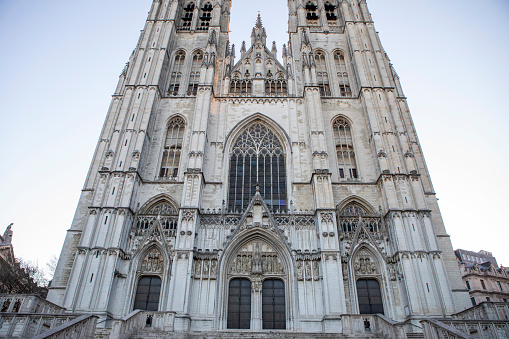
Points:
point(82, 327)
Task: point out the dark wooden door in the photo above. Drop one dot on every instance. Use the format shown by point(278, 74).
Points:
point(147, 294)
point(370, 296)
point(239, 304)
point(273, 304)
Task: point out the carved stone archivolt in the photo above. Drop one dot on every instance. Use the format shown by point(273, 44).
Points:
point(257, 257)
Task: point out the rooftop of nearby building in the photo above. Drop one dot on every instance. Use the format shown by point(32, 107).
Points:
point(480, 258)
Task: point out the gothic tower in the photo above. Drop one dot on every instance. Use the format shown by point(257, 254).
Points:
point(257, 192)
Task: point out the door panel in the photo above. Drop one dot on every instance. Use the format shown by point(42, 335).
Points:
point(147, 294)
point(370, 296)
point(273, 304)
point(239, 304)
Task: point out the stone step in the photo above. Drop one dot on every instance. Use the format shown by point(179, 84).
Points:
point(415, 335)
point(150, 334)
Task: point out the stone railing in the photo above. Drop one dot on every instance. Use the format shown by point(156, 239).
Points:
point(479, 328)
point(27, 303)
point(434, 329)
point(137, 320)
point(356, 324)
point(82, 327)
point(28, 325)
point(485, 310)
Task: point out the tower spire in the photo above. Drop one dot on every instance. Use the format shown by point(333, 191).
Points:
point(258, 34)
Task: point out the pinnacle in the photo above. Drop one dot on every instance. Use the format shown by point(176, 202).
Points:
point(259, 23)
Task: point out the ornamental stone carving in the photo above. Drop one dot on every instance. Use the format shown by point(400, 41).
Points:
point(153, 262)
point(256, 258)
point(364, 264)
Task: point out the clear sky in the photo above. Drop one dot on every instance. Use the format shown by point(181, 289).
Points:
point(60, 61)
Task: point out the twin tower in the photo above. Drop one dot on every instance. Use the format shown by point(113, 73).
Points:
point(246, 189)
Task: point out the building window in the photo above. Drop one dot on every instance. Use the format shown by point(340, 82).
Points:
point(206, 17)
point(194, 76)
point(488, 299)
point(240, 87)
point(483, 285)
point(187, 18)
point(176, 74)
point(344, 149)
point(505, 300)
point(330, 11)
point(468, 285)
point(322, 76)
point(474, 303)
point(311, 12)
point(275, 88)
point(172, 149)
point(342, 73)
point(257, 159)
point(499, 285)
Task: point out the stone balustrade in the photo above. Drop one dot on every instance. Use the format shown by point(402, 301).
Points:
point(434, 329)
point(27, 303)
point(137, 320)
point(485, 310)
point(356, 324)
point(480, 328)
point(82, 327)
point(28, 325)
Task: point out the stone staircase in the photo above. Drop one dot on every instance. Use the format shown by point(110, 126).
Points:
point(150, 333)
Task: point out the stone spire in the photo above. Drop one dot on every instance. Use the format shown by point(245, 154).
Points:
point(258, 34)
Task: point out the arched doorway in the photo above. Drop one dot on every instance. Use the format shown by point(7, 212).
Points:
point(369, 296)
point(273, 304)
point(148, 293)
point(239, 304)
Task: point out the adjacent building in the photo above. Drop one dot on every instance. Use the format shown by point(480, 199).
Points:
point(255, 189)
point(483, 278)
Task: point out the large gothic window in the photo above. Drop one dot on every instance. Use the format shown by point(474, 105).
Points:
point(172, 149)
point(344, 149)
point(176, 73)
point(342, 72)
point(322, 76)
point(194, 76)
point(257, 159)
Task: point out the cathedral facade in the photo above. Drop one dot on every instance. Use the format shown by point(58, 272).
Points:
point(243, 190)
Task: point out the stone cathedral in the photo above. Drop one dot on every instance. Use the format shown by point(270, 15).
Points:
point(251, 189)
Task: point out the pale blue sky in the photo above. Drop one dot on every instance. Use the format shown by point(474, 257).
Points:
point(60, 62)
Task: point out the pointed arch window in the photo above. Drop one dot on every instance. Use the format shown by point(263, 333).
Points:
point(176, 73)
point(322, 76)
point(276, 87)
point(194, 76)
point(172, 149)
point(187, 17)
point(240, 87)
point(206, 17)
point(344, 149)
point(312, 12)
point(342, 73)
point(257, 158)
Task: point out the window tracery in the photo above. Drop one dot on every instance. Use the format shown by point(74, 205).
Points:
point(240, 87)
point(194, 75)
point(176, 74)
point(172, 149)
point(330, 11)
point(342, 73)
point(257, 158)
point(322, 76)
point(311, 12)
point(344, 149)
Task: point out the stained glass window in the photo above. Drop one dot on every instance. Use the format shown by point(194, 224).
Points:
point(257, 158)
point(172, 149)
point(344, 149)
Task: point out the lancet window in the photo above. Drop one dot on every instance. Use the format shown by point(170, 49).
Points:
point(312, 12)
point(344, 149)
point(322, 76)
point(176, 73)
point(330, 11)
point(342, 72)
point(206, 17)
point(172, 149)
point(194, 76)
point(257, 160)
point(187, 17)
